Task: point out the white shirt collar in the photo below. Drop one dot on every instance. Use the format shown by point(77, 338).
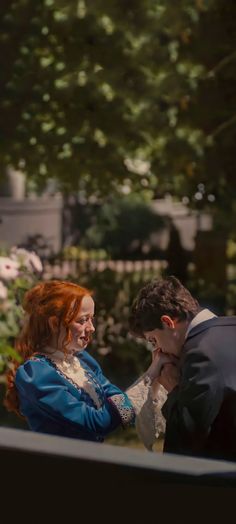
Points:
point(202, 316)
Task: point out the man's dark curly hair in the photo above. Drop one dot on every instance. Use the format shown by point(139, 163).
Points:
point(161, 297)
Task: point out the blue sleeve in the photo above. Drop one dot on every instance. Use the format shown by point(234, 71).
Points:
point(108, 388)
point(118, 398)
point(44, 387)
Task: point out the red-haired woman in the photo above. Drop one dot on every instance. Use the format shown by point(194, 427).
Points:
point(59, 388)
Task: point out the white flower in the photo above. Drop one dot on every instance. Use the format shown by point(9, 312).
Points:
point(9, 269)
point(28, 259)
point(3, 291)
point(36, 262)
point(137, 165)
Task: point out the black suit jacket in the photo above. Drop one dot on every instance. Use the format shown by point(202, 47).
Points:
point(201, 411)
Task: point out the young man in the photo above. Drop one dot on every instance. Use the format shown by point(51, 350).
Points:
point(200, 410)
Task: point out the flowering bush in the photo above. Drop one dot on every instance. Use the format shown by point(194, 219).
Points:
point(19, 270)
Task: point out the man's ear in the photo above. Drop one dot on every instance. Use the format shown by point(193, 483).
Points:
point(168, 321)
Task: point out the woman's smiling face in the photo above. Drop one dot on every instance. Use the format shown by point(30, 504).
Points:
point(82, 327)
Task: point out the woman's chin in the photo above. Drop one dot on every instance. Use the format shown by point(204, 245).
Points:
point(82, 344)
point(78, 346)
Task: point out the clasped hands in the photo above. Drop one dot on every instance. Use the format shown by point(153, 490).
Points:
point(163, 370)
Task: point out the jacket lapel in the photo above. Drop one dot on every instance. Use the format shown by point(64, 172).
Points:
point(212, 322)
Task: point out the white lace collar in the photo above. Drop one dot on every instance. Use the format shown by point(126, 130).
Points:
point(71, 367)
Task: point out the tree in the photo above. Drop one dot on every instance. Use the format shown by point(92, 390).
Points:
point(87, 85)
point(121, 226)
point(72, 88)
point(193, 153)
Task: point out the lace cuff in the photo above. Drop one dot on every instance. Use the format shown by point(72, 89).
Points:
point(124, 408)
point(150, 423)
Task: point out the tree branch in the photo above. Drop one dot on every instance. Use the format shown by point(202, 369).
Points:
point(223, 126)
point(225, 61)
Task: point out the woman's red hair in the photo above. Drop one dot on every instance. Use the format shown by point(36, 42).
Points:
point(48, 303)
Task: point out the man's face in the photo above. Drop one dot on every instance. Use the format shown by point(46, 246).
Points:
point(169, 339)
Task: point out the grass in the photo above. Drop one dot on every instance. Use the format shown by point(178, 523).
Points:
point(128, 438)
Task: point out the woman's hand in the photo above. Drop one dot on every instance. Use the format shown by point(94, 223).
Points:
point(158, 361)
point(169, 376)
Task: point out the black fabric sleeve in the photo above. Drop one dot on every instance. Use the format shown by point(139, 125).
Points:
point(192, 406)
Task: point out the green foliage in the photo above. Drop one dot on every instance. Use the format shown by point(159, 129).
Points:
point(231, 251)
point(80, 253)
point(194, 150)
point(19, 270)
point(87, 85)
point(6, 352)
point(76, 73)
point(122, 226)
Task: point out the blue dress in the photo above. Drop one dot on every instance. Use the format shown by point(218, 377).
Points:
point(52, 403)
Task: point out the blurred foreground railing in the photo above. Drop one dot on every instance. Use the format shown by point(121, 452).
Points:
point(51, 479)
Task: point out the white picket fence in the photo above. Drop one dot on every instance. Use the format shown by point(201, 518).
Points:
point(73, 268)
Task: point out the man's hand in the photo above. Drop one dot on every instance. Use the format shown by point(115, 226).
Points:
point(158, 360)
point(169, 376)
